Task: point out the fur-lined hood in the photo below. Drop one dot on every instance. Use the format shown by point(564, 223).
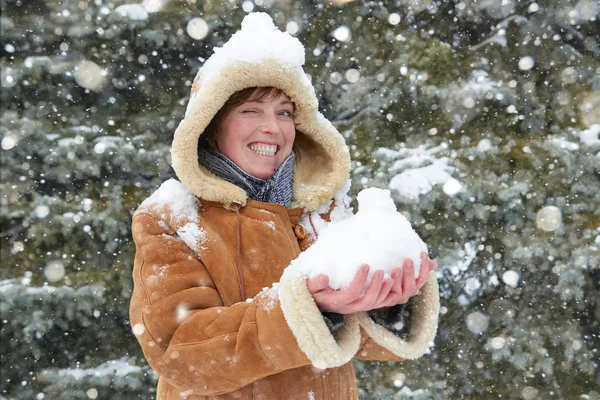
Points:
point(261, 55)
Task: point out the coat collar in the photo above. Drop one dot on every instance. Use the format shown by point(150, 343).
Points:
point(294, 214)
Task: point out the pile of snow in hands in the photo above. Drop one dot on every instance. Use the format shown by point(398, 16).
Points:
point(377, 235)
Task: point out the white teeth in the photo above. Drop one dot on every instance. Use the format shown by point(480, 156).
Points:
point(268, 150)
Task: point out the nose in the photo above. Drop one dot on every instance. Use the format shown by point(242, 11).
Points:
point(270, 124)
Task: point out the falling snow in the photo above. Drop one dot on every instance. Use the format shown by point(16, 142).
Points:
point(481, 117)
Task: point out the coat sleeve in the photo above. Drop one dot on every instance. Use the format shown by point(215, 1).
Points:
point(380, 343)
point(194, 342)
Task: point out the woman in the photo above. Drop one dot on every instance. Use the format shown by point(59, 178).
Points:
point(259, 167)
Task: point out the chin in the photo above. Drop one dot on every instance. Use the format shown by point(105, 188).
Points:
point(264, 176)
point(263, 173)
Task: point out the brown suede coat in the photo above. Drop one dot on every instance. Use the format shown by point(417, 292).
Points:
point(197, 332)
point(200, 244)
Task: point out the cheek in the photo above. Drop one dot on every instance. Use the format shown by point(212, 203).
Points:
point(228, 146)
point(290, 136)
point(229, 137)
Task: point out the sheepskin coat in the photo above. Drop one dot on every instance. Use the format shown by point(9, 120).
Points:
point(208, 307)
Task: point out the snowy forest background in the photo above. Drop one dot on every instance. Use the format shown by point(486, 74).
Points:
point(482, 116)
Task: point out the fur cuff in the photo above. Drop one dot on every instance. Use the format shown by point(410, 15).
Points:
point(323, 349)
point(424, 319)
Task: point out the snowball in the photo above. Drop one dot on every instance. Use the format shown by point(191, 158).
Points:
point(375, 200)
point(341, 210)
point(258, 22)
point(377, 235)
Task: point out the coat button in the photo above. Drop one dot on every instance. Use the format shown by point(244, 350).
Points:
point(300, 232)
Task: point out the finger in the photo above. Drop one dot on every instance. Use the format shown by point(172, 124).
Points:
point(384, 293)
point(423, 271)
point(325, 302)
point(397, 277)
point(317, 283)
point(391, 300)
point(432, 265)
point(421, 280)
point(353, 291)
point(395, 293)
point(372, 291)
point(408, 280)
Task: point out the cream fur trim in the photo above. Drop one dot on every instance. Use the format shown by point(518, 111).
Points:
point(306, 322)
point(324, 163)
point(424, 321)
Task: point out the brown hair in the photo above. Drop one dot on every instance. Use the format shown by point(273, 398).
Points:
point(236, 99)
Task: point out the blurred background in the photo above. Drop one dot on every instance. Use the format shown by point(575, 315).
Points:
point(481, 116)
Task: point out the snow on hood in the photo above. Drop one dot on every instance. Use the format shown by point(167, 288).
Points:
point(257, 41)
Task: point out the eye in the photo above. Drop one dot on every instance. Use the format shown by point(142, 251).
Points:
point(285, 113)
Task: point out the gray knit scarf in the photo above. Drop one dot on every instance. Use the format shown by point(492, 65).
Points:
point(276, 189)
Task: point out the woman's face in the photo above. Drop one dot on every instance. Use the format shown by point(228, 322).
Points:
point(258, 135)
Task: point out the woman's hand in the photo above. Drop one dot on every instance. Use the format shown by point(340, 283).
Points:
point(380, 293)
point(405, 284)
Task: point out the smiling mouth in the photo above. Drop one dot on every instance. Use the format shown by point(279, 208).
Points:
point(267, 150)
